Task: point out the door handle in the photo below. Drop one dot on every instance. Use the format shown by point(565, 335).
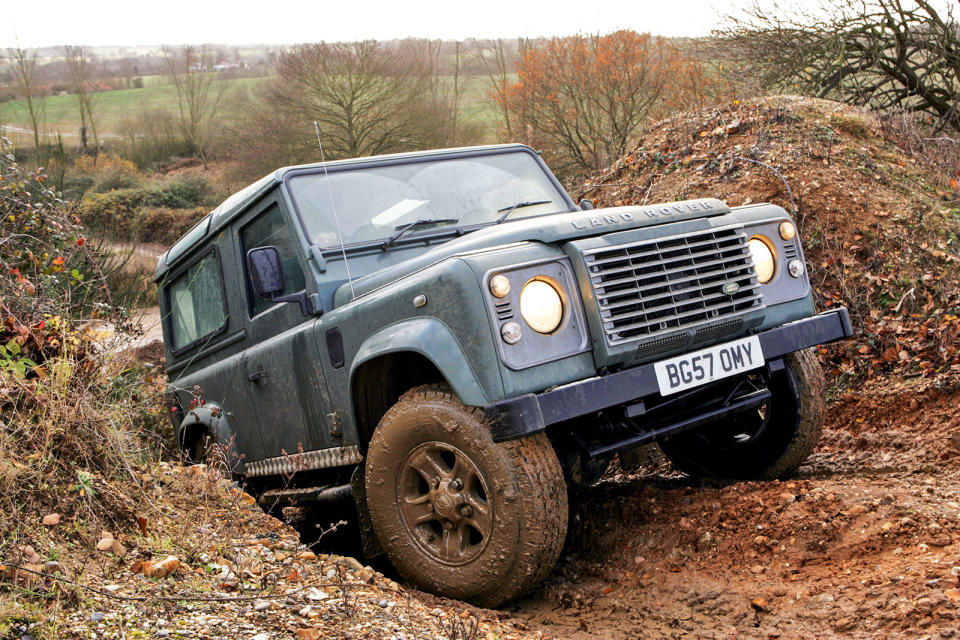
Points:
point(257, 375)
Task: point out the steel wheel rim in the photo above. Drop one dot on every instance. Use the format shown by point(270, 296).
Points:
point(444, 504)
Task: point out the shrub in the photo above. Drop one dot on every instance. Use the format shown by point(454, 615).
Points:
point(183, 192)
point(75, 185)
point(133, 215)
point(165, 226)
point(113, 179)
point(70, 410)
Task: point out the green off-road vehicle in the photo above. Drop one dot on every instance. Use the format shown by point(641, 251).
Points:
point(452, 340)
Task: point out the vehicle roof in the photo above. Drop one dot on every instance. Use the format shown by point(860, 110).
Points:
point(239, 201)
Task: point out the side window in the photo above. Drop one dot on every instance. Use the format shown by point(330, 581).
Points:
point(270, 229)
point(197, 306)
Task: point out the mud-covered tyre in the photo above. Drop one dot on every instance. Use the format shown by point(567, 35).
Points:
point(765, 444)
point(457, 513)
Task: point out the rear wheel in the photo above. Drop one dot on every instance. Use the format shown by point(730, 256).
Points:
point(766, 443)
point(457, 513)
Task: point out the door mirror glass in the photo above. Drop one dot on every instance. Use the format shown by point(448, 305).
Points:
point(266, 272)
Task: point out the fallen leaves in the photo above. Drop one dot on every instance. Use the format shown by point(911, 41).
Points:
point(161, 568)
point(51, 520)
point(108, 543)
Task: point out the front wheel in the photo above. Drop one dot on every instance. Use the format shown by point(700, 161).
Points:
point(767, 443)
point(457, 513)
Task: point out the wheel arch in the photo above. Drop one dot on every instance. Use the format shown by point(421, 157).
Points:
point(403, 356)
point(209, 419)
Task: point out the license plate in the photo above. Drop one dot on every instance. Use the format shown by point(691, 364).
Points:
point(715, 363)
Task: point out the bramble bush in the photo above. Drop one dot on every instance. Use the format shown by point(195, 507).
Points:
point(73, 410)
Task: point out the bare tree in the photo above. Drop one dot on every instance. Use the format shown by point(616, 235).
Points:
point(447, 85)
point(582, 99)
point(365, 98)
point(198, 93)
point(80, 71)
point(887, 54)
point(498, 61)
point(23, 68)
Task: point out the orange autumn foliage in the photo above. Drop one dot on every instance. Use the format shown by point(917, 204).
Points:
point(582, 99)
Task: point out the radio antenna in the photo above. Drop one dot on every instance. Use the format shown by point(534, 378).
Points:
point(333, 208)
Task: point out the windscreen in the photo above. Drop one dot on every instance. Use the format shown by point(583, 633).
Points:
point(373, 203)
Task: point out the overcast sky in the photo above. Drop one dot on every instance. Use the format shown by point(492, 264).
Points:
point(122, 22)
point(126, 22)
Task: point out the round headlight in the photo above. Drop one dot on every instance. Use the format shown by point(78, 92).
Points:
point(541, 306)
point(763, 258)
point(787, 230)
point(499, 286)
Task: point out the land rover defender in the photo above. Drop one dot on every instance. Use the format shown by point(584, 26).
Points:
point(447, 337)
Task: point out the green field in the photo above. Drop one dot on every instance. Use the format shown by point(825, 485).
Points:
point(61, 115)
point(111, 108)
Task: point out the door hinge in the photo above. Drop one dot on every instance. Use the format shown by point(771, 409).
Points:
point(336, 430)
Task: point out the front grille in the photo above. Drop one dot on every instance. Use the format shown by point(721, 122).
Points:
point(658, 286)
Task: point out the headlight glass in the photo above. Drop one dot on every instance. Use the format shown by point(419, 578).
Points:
point(763, 258)
point(787, 230)
point(541, 305)
point(499, 286)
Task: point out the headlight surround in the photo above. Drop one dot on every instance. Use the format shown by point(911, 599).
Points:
point(764, 258)
point(541, 305)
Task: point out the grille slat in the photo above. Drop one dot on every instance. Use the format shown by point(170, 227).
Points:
point(647, 310)
point(679, 316)
point(656, 252)
point(656, 287)
point(671, 293)
point(740, 251)
point(641, 289)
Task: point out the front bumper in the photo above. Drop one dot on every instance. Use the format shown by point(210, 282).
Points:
point(529, 413)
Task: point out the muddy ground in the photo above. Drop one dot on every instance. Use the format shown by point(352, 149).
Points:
point(863, 543)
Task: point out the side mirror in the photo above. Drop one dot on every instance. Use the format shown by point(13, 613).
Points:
point(586, 205)
point(266, 275)
point(266, 272)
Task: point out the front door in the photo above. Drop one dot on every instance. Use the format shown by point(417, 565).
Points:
point(282, 366)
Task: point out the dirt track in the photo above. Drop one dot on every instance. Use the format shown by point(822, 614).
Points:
point(863, 543)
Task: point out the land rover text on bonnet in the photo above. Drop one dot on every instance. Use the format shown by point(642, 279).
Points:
point(452, 340)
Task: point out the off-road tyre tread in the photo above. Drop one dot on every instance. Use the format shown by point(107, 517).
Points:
point(811, 399)
point(812, 389)
point(540, 487)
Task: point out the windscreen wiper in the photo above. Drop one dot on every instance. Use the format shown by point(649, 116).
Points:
point(402, 229)
point(525, 203)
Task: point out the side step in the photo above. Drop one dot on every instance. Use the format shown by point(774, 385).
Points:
point(287, 497)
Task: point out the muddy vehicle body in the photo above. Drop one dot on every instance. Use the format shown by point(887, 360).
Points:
point(451, 339)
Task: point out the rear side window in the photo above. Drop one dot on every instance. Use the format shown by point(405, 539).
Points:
point(197, 306)
point(270, 229)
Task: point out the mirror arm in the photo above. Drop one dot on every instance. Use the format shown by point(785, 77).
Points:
point(309, 305)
